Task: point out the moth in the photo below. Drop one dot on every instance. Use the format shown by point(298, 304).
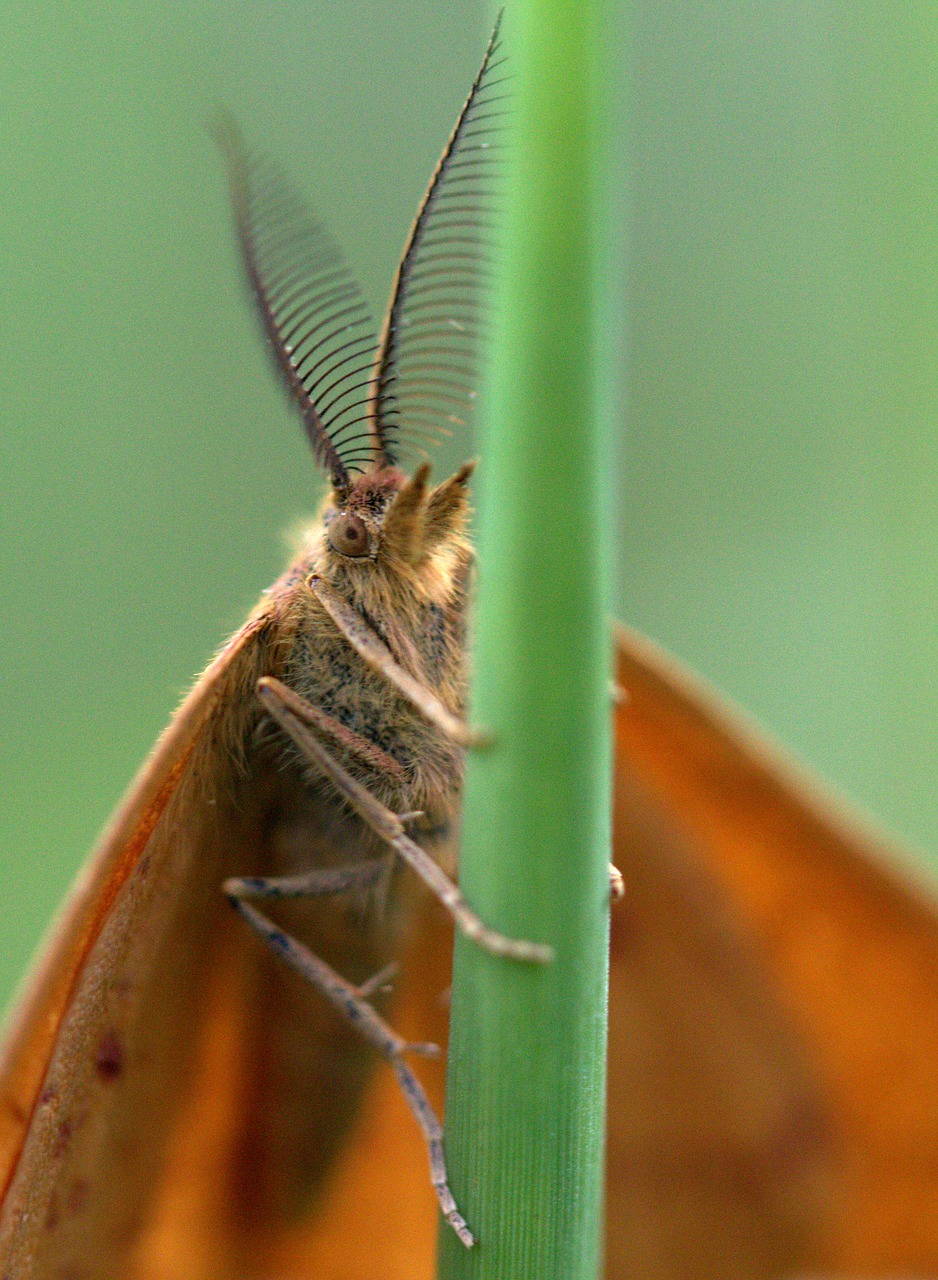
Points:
point(772, 1101)
point(320, 752)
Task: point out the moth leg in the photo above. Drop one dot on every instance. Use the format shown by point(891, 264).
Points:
point(618, 696)
point(351, 1002)
point(389, 827)
point(369, 645)
point(616, 883)
point(312, 884)
point(381, 981)
point(341, 735)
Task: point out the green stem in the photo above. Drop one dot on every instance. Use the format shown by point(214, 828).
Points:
point(525, 1107)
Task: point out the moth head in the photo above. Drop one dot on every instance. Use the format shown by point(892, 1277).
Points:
point(385, 515)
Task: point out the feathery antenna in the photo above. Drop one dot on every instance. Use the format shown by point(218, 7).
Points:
point(314, 315)
point(425, 371)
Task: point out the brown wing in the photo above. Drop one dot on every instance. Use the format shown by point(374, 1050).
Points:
point(718, 1144)
point(85, 1082)
point(824, 1153)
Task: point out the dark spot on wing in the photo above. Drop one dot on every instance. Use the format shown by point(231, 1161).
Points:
point(109, 1060)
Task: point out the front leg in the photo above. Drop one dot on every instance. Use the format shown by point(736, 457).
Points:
point(389, 826)
point(369, 645)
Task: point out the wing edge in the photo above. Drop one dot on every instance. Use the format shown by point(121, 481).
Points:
point(42, 1002)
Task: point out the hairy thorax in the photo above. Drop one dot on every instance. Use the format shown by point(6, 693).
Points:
point(420, 617)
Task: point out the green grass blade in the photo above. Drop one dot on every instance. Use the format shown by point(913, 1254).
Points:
point(525, 1108)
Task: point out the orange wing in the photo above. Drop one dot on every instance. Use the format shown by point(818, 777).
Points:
point(772, 1040)
point(846, 953)
point(77, 1025)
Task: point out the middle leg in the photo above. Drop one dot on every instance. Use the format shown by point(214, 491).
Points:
point(389, 826)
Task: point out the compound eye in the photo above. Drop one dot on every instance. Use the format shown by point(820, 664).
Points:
point(348, 536)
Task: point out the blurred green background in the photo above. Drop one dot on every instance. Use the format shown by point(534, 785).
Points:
point(777, 486)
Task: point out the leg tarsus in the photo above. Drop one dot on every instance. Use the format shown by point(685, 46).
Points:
point(616, 883)
point(347, 999)
point(424, 1048)
point(426, 1117)
point(618, 696)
